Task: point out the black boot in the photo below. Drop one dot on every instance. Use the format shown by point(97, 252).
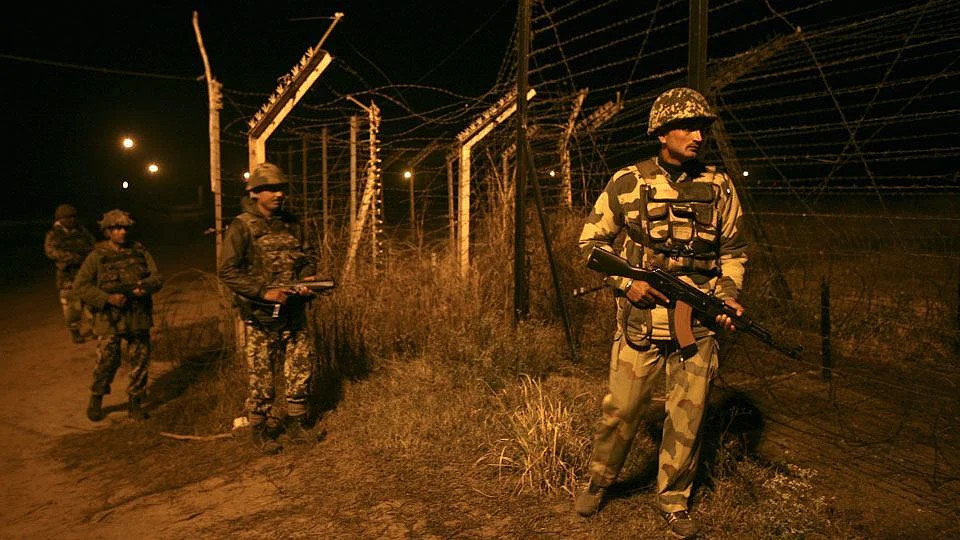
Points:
point(136, 409)
point(264, 439)
point(94, 408)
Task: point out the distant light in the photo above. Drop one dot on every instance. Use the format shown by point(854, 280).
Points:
point(246, 175)
point(125, 184)
point(553, 173)
point(407, 174)
point(127, 143)
point(746, 173)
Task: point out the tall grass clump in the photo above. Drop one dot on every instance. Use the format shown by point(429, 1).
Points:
point(541, 443)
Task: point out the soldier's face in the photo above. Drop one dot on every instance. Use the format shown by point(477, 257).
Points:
point(271, 198)
point(682, 142)
point(117, 235)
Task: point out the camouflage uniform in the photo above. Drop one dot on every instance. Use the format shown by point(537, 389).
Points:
point(258, 253)
point(691, 226)
point(67, 248)
point(114, 269)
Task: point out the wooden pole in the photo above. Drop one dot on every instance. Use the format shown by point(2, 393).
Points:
point(325, 188)
point(520, 294)
point(697, 46)
point(303, 175)
point(451, 217)
point(214, 104)
point(354, 129)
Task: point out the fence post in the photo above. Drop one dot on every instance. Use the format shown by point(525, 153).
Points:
point(825, 329)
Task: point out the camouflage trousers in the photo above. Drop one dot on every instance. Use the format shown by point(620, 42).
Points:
point(74, 312)
point(108, 361)
point(633, 375)
point(267, 349)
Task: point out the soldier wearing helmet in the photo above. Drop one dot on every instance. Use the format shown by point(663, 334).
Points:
point(117, 280)
point(67, 243)
point(683, 216)
point(264, 250)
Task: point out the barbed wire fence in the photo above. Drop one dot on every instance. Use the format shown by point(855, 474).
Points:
point(838, 127)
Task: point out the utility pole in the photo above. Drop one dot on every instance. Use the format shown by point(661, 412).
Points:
point(215, 103)
point(451, 217)
point(566, 180)
point(354, 129)
point(521, 300)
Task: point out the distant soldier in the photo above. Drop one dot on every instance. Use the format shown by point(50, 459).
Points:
point(67, 244)
point(264, 251)
point(684, 217)
point(117, 280)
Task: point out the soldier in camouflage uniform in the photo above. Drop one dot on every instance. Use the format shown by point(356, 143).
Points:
point(117, 280)
point(683, 216)
point(264, 249)
point(67, 244)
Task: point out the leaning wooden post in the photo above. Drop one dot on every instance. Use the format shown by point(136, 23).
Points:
point(827, 362)
point(215, 103)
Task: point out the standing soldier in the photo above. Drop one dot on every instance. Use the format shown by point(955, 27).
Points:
point(684, 217)
point(68, 243)
point(117, 280)
point(264, 251)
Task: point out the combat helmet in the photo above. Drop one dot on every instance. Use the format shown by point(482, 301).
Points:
point(64, 210)
point(114, 218)
point(678, 104)
point(266, 174)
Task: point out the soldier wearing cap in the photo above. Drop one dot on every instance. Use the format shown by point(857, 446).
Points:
point(67, 243)
point(682, 216)
point(117, 280)
point(263, 249)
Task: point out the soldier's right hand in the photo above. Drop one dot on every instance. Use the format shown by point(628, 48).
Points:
point(277, 296)
point(117, 299)
point(644, 296)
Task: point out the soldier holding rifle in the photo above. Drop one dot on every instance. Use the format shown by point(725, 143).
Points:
point(684, 217)
point(117, 280)
point(270, 267)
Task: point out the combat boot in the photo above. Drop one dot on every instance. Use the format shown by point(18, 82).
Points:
point(135, 409)
point(681, 524)
point(76, 336)
point(263, 440)
point(588, 499)
point(95, 408)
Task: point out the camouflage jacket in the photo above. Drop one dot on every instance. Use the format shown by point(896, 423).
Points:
point(260, 252)
point(67, 249)
point(691, 226)
point(113, 269)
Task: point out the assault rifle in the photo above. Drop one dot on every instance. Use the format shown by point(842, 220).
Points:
point(318, 286)
point(688, 303)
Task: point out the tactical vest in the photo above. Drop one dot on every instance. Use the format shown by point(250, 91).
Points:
point(122, 269)
point(678, 223)
point(75, 241)
point(277, 248)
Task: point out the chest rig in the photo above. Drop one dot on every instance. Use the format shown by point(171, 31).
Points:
point(678, 222)
point(74, 241)
point(276, 247)
point(122, 268)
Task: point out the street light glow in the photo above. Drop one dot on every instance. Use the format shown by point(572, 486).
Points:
point(125, 184)
point(153, 168)
point(127, 143)
point(246, 175)
point(746, 173)
point(553, 173)
point(407, 174)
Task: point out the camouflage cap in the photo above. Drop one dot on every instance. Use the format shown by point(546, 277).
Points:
point(266, 174)
point(64, 210)
point(678, 104)
point(114, 218)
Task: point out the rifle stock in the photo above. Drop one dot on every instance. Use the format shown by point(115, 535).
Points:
point(687, 301)
point(320, 285)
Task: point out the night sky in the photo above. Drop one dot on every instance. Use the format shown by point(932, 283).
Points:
point(80, 76)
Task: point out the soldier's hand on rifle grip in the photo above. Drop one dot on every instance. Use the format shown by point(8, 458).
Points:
point(724, 321)
point(277, 296)
point(117, 299)
point(644, 296)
